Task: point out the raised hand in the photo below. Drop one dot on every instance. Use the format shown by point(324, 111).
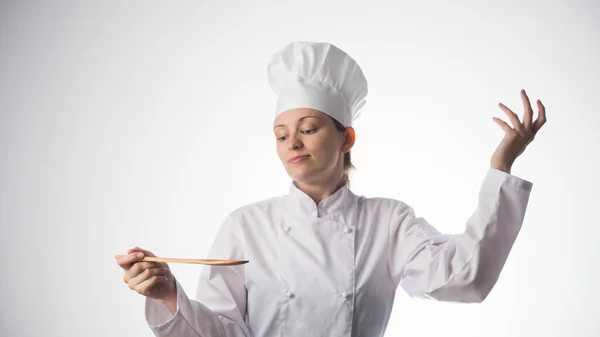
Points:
point(517, 138)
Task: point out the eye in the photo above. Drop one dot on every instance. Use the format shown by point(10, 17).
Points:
point(282, 138)
point(309, 131)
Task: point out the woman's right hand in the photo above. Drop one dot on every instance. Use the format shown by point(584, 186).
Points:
point(151, 279)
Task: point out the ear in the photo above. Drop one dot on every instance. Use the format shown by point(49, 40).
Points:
point(349, 139)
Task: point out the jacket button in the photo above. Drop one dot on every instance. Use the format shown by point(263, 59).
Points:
point(289, 294)
point(343, 295)
point(347, 230)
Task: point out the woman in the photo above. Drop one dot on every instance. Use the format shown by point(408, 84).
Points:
point(324, 261)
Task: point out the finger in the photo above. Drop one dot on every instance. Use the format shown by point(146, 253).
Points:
point(514, 119)
point(126, 261)
point(528, 112)
point(140, 267)
point(148, 253)
point(145, 275)
point(502, 124)
point(541, 120)
point(146, 287)
point(143, 251)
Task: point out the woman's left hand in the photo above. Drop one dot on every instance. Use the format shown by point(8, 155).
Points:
point(519, 136)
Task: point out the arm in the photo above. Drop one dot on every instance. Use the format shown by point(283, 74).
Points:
point(461, 267)
point(220, 306)
point(465, 267)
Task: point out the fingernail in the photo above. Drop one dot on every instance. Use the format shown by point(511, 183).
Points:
point(140, 255)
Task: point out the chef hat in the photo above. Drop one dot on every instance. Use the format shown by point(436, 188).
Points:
point(319, 76)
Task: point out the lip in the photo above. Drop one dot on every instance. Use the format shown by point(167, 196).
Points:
point(298, 159)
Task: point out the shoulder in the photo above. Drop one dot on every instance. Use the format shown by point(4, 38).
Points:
point(383, 203)
point(384, 209)
point(259, 209)
point(242, 221)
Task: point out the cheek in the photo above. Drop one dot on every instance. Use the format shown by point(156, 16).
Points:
point(332, 153)
point(280, 150)
point(325, 148)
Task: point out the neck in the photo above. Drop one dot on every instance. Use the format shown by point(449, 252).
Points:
point(318, 192)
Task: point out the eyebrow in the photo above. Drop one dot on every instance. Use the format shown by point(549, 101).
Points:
point(299, 119)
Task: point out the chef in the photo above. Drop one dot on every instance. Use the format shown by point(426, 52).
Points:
point(323, 260)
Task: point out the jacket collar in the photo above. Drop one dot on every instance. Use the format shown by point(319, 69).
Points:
point(301, 205)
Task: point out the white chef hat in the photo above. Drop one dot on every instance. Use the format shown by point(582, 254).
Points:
point(319, 76)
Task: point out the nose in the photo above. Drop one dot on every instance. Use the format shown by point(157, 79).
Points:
point(294, 143)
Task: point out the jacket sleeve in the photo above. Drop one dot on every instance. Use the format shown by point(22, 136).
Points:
point(461, 267)
point(220, 305)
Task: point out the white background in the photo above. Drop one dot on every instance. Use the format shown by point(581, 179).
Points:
point(145, 123)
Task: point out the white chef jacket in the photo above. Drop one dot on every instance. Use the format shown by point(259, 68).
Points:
point(332, 269)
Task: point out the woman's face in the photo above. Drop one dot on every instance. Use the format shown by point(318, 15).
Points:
point(309, 145)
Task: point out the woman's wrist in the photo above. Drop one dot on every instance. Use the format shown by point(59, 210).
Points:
point(171, 302)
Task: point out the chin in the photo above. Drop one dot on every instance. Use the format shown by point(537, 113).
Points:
point(303, 174)
point(309, 176)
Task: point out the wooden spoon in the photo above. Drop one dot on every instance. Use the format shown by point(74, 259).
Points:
point(212, 262)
